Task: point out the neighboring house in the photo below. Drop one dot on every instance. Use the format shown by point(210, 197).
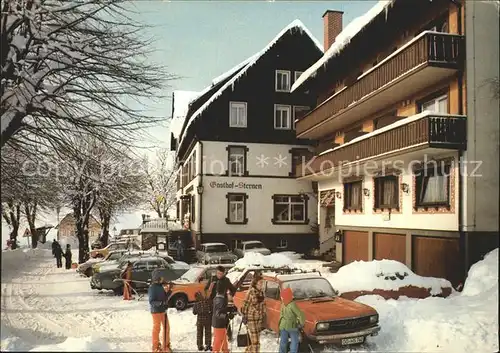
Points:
point(67, 228)
point(237, 148)
point(400, 107)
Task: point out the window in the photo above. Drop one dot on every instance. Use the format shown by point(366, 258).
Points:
point(193, 208)
point(140, 266)
point(433, 186)
point(272, 290)
point(353, 133)
point(352, 196)
point(387, 192)
point(289, 209)
point(282, 118)
point(236, 208)
point(436, 105)
point(237, 114)
point(153, 265)
point(299, 112)
point(282, 81)
point(237, 160)
point(283, 244)
point(299, 156)
point(297, 75)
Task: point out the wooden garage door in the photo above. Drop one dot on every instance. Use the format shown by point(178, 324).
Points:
point(389, 246)
point(437, 257)
point(355, 246)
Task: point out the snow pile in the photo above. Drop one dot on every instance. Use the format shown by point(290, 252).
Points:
point(465, 322)
point(382, 274)
point(292, 255)
point(255, 259)
point(349, 32)
point(85, 344)
point(483, 275)
point(181, 101)
point(296, 25)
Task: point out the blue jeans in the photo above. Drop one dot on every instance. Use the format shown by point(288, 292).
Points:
point(294, 336)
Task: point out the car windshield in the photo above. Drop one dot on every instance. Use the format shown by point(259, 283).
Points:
point(216, 248)
point(310, 288)
point(256, 245)
point(192, 274)
point(124, 261)
point(114, 256)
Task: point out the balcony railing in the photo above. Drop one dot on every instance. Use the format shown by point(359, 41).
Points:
point(431, 48)
point(424, 130)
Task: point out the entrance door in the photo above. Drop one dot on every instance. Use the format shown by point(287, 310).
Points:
point(327, 222)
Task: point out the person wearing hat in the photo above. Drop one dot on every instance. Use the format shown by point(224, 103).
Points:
point(291, 320)
point(158, 302)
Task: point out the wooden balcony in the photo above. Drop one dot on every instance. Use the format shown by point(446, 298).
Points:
point(424, 61)
point(425, 130)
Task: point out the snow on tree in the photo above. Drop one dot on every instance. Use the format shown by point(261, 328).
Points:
point(72, 68)
point(162, 183)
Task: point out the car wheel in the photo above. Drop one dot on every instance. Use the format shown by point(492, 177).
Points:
point(88, 272)
point(180, 302)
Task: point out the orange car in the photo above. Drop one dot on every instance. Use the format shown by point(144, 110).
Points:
point(330, 319)
point(192, 281)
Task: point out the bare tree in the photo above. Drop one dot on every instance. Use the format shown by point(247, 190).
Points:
point(11, 213)
point(162, 183)
point(72, 68)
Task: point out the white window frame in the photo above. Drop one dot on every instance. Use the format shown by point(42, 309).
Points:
point(231, 162)
point(277, 75)
point(294, 112)
point(283, 244)
point(436, 104)
point(296, 75)
point(232, 218)
point(241, 122)
point(290, 203)
point(283, 107)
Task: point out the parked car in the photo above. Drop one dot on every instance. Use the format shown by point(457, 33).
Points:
point(191, 282)
point(215, 253)
point(251, 246)
point(178, 265)
point(330, 319)
point(87, 267)
point(142, 270)
point(96, 253)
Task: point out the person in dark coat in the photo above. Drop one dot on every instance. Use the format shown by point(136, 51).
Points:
point(180, 249)
point(220, 277)
point(54, 244)
point(220, 319)
point(158, 302)
point(58, 253)
point(67, 256)
point(203, 311)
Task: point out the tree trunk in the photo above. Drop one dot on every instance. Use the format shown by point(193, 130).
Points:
point(13, 236)
point(30, 212)
point(105, 218)
point(12, 217)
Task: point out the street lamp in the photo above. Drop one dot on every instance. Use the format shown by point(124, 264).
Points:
point(200, 189)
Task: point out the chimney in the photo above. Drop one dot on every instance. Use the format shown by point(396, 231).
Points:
point(332, 26)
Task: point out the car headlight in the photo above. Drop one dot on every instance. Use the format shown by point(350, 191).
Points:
point(373, 319)
point(322, 326)
point(214, 261)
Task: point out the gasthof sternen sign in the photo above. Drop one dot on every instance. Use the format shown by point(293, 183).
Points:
point(240, 185)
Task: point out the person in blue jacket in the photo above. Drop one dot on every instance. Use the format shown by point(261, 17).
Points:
point(158, 302)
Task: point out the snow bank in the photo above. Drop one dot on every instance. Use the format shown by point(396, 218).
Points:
point(256, 259)
point(382, 274)
point(465, 322)
point(85, 344)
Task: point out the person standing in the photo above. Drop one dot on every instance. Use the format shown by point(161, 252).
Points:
point(220, 319)
point(67, 256)
point(54, 244)
point(253, 311)
point(180, 249)
point(126, 276)
point(220, 277)
point(203, 311)
point(158, 302)
point(291, 319)
point(58, 254)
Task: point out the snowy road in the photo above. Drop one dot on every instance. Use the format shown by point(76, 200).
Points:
point(50, 309)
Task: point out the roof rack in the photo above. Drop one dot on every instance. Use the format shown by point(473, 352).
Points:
point(282, 270)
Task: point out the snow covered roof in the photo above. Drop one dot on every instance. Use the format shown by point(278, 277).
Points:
point(239, 70)
point(181, 100)
point(344, 38)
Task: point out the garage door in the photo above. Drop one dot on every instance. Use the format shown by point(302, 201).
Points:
point(437, 257)
point(355, 246)
point(389, 247)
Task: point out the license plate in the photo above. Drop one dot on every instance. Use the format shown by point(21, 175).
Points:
point(353, 340)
